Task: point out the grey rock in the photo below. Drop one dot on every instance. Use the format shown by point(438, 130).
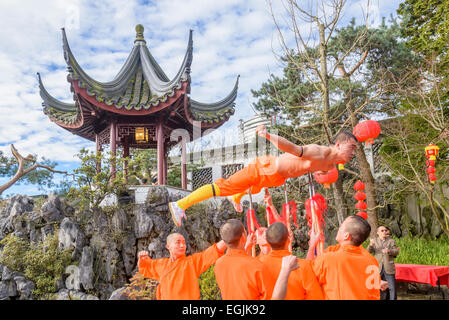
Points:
point(143, 222)
point(86, 272)
point(395, 228)
point(52, 209)
point(8, 288)
point(119, 294)
point(119, 220)
point(435, 229)
point(12, 213)
point(157, 195)
point(110, 260)
point(25, 287)
point(71, 236)
point(77, 295)
point(47, 231)
point(63, 294)
point(129, 253)
point(7, 274)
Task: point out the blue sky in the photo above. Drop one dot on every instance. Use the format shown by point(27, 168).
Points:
point(230, 37)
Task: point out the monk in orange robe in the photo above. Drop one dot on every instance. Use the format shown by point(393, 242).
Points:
point(269, 171)
point(178, 275)
point(239, 276)
point(345, 274)
point(302, 283)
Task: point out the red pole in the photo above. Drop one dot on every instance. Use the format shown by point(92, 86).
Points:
point(165, 165)
point(160, 153)
point(183, 165)
point(113, 141)
point(125, 155)
point(99, 149)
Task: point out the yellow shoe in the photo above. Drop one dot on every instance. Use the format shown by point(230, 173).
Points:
point(237, 206)
point(176, 213)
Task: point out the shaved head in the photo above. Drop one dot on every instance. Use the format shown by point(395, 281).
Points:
point(358, 228)
point(172, 236)
point(231, 232)
point(277, 235)
point(344, 136)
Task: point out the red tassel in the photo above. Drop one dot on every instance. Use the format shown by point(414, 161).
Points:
point(251, 216)
point(319, 206)
point(272, 217)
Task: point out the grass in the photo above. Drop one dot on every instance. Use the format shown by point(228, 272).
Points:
point(422, 251)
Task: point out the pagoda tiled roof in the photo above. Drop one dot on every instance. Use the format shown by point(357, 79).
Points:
point(140, 87)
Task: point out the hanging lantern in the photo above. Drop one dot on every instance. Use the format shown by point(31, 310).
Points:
point(361, 205)
point(326, 178)
point(430, 163)
point(360, 196)
point(366, 131)
point(141, 135)
point(362, 214)
point(359, 186)
point(431, 170)
point(432, 178)
point(431, 151)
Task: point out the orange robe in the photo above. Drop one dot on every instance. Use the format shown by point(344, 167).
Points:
point(348, 274)
point(240, 276)
point(260, 173)
point(178, 280)
point(302, 283)
point(337, 247)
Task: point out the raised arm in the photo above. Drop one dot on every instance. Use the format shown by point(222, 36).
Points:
point(289, 263)
point(307, 152)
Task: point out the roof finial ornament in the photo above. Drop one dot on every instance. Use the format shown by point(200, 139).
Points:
point(139, 33)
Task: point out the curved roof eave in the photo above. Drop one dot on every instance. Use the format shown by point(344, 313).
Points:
point(54, 103)
point(153, 76)
point(120, 81)
point(216, 106)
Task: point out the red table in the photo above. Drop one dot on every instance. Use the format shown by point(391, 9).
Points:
point(434, 275)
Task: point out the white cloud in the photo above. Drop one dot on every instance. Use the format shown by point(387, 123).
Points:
point(230, 37)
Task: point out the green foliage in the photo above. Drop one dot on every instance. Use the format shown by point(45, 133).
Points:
point(43, 263)
point(422, 251)
point(426, 25)
point(208, 285)
point(141, 288)
point(92, 187)
point(142, 164)
point(174, 174)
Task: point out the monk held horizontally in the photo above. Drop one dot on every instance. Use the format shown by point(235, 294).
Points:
point(269, 171)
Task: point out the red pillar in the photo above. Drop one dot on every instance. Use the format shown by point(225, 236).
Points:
point(183, 165)
point(160, 152)
point(99, 149)
point(113, 141)
point(125, 155)
point(165, 165)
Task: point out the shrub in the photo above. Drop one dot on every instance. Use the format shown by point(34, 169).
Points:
point(43, 263)
point(141, 288)
point(208, 286)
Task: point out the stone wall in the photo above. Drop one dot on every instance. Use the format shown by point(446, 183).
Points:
point(104, 242)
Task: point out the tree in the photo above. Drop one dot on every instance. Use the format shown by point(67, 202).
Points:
point(25, 170)
point(332, 84)
point(92, 186)
point(425, 23)
point(423, 118)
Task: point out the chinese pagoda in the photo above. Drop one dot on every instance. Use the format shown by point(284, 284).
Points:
point(139, 108)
